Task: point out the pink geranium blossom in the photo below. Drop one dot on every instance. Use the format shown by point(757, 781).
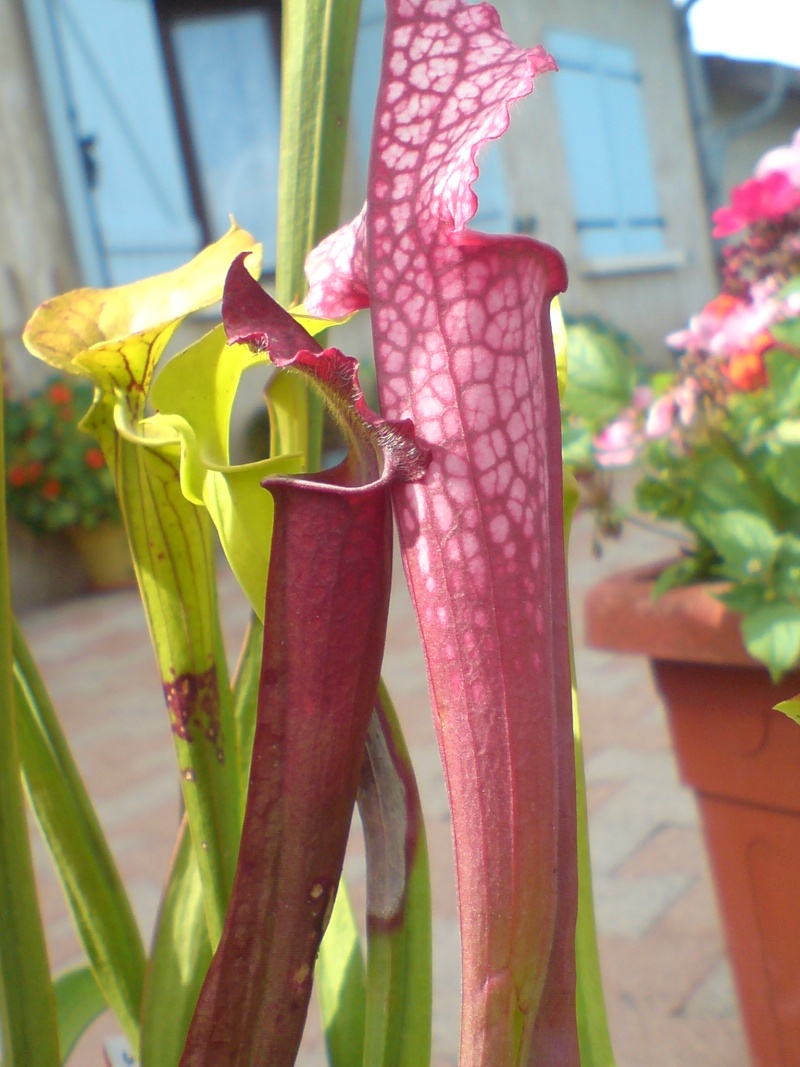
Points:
point(786, 159)
point(769, 197)
point(678, 405)
point(619, 443)
point(727, 324)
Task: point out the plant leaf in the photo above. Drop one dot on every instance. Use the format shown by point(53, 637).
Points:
point(178, 963)
point(79, 1001)
point(746, 543)
point(339, 977)
point(602, 375)
point(772, 634)
point(116, 337)
point(194, 396)
point(790, 707)
point(318, 47)
point(245, 694)
point(92, 885)
point(594, 1036)
point(324, 628)
point(28, 1029)
point(462, 339)
point(399, 983)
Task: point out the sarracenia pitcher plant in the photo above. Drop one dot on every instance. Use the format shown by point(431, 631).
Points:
point(466, 456)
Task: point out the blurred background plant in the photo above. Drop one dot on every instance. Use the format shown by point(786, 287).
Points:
point(716, 442)
point(56, 476)
point(605, 374)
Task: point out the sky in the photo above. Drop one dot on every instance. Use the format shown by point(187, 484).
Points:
point(748, 29)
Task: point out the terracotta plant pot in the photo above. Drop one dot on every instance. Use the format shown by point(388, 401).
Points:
point(105, 555)
point(742, 759)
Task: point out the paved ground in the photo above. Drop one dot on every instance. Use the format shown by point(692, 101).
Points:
point(668, 988)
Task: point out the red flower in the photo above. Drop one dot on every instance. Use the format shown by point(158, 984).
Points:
point(51, 489)
point(22, 474)
point(95, 459)
point(60, 393)
point(17, 477)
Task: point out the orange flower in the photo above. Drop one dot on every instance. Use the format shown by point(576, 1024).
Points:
point(721, 305)
point(745, 370)
point(17, 477)
point(60, 393)
point(51, 489)
point(94, 459)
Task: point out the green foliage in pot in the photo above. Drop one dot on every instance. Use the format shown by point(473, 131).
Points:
point(56, 476)
point(718, 440)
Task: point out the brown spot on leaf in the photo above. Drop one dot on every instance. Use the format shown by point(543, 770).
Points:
point(193, 701)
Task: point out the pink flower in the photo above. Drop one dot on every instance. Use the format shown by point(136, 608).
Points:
point(756, 199)
point(728, 324)
point(618, 444)
point(678, 404)
point(686, 396)
point(661, 416)
point(704, 326)
point(786, 159)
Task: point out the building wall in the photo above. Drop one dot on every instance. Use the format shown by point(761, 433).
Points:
point(646, 303)
point(36, 255)
point(744, 152)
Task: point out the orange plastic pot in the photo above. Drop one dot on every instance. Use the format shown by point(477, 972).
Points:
point(742, 759)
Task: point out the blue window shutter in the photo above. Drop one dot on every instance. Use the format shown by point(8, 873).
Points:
point(228, 70)
point(494, 206)
point(606, 145)
point(115, 135)
point(366, 76)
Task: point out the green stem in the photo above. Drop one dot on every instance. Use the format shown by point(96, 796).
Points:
point(319, 38)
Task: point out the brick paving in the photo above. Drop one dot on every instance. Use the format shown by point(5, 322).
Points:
point(668, 987)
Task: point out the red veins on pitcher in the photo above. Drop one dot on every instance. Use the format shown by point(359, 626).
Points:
point(463, 346)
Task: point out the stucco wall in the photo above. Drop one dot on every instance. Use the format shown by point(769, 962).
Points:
point(648, 304)
point(744, 152)
point(36, 258)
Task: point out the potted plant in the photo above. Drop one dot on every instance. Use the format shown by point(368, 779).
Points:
point(57, 479)
point(718, 443)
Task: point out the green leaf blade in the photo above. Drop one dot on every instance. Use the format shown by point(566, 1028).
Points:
point(27, 1009)
point(772, 635)
point(178, 963)
point(399, 981)
point(79, 1001)
point(93, 888)
point(339, 977)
